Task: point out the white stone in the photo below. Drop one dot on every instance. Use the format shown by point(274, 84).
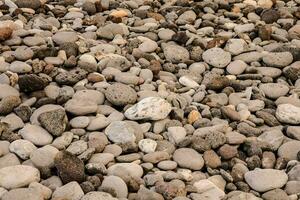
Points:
point(18, 176)
point(70, 191)
point(120, 132)
point(44, 157)
point(23, 148)
point(147, 145)
point(20, 67)
point(96, 195)
point(263, 180)
point(117, 184)
point(63, 141)
point(7, 90)
point(288, 113)
point(176, 134)
point(133, 169)
point(217, 57)
point(36, 134)
point(187, 81)
point(208, 189)
point(151, 108)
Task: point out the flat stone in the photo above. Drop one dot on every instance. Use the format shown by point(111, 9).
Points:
point(263, 180)
point(46, 108)
point(115, 61)
point(176, 134)
point(271, 139)
point(71, 191)
point(20, 67)
point(36, 134)
point(117, 184)
point(147, 145)
point(7, 90)
point(151, 108)
point(288, 113)
point(188, 158)
point(80, 107)
point(279, 59)
point(120, 132)
point(289, 150)
point(209, 190)
point(54, 121)
point(133, 169)
point(176, 53)
point(109, 31)
point(216, 57)
point(96, 195)
point(43, 158)
point(18, 176)
point(120, 94)
point(23, 148)
point(274, 90)
point(64, 36)
point(22, 194)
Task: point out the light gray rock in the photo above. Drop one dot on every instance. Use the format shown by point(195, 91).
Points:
point(7, 90)
point(120, 132)
point(9, 159)
point(147, 145)
point(115, 61)
point(117, 184)
point(80, 107)
point(176, 134)
point(70, 191)
point(278, 59)
point(46, 108)
point(188, 158)
point(23, 53)
point(274, 90)
point(44, 157)
point(271, 139)
point(64, 36)
point(236, 67)
point(18, 176)
point(133, 169)
point(99, 122)
point(208, 189)
point(288, 113)
point(109, 31)
point(22, 194)
point(95, 195)
point(236, 46)
point(151, 108)
point(216, 57)
point(176, 53)
point(63, 141)
point(36, 134)
point(80, 122)
point(23, 148)
point(289, 150)
point(263, 180)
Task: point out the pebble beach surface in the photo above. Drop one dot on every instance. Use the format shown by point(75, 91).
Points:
point(149, 100)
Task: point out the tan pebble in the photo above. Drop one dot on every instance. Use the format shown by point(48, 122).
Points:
point(5, 33)
point(193, 116)
point(119, 13)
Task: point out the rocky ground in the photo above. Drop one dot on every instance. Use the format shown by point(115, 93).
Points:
point(149, 99)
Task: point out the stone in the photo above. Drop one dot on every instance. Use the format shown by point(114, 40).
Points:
point(23, 53)
point(216, 57)
point(189, 82)
point(120, 132)
point(45, 108)
point(35, 134)
point(69, 167)
point(155, 157)
point(31, 82)
point(70, 190)
point(294, 32)
point(80, 122)
point(208, 189)
point(147, 145)
point(96, 195)
point(115, 61)
point(22, 148)
point(289, 150)
point(278, 59)
point(288, 113)
point(43, 158)
point(7, 90)
point(53, 121)
point(98, 123)
point(133, 169)
point(18, 176)
point(77, 147)
point(116, 184)
point(176, 134)
point(20, 67)
point(120, 94)
point(188, 158)
point(271, 139)
point(43, 191)
point(176, 53)
point(5, 33)
point(80, 107)
point(22, 194)
point(293, 132)
point(109, 31)
point(236, 46)
point(263, 180)
point(211, 159)
point(150, 108)
point(64, 36)
point(8, 103)
point(236, 67)
point(33, 4)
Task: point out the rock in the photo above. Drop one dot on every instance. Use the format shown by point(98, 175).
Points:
point(20, 67)
point(293, 132)
point(288, 113)
point(187, 17)
point(189, 82)
point(211, 159)
point(120, 132)
point(7, 90)
point(71, 77)
point(120, 94)
point(116, 184)
point(96, 195)
point(147, 145)
point(270, 15)
point(77, 147)
point(80, 122)
point(115, 61)
point(43, 191)
point(64, 36)
point(176, 134)
point(22, 148)
point(275, 194)
point(23, 53)
point(263, 180)
point(54, 121)
point(99, 122)
point(280, 59)
point(216, 57)
point(69, 167)
point(176, 54)
point(5, 33)
point(133, 169)
point(43, 158)
point(207, 189)
point(46, 108)
point(109, 31)
point(22, 194)
point(236, 46)
point(271, 139)
point(34, 4)
point(31, 82)
point(18, 176)
point(71, 191)
point(151, 108)
point(155, 157)
point(294, 32)
point(144, 194)
point(36, 134)
point(80, 107)
point(188, 158)
point(236, 67)
point(289, 150)
point(8, 103)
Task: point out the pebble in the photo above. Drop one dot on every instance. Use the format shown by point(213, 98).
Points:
point(64, 36)
point(116, 184)
point(216, 57)
point(289, 150)
point(43, 158)
point(288, 113)
point(97, 195)
point(263, 180)
point(36, 134)
point(188, 158)
point(120, 94)
point(176, 53)
point(281, 59)
point(20, 67)
point(147, 145)
point(152, 108)
point(18, 176)
point(120, 132)
point(53, 121)
point(70, 190)
point(23, 148)
point(176, 134)
point(21, 193)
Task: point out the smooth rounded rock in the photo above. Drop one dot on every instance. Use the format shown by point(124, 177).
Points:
point(216, 57)
point(188, 158)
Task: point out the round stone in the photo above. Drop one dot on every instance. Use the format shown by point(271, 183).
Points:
point(188, 158)
point(120, 94)
point(217, 57)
